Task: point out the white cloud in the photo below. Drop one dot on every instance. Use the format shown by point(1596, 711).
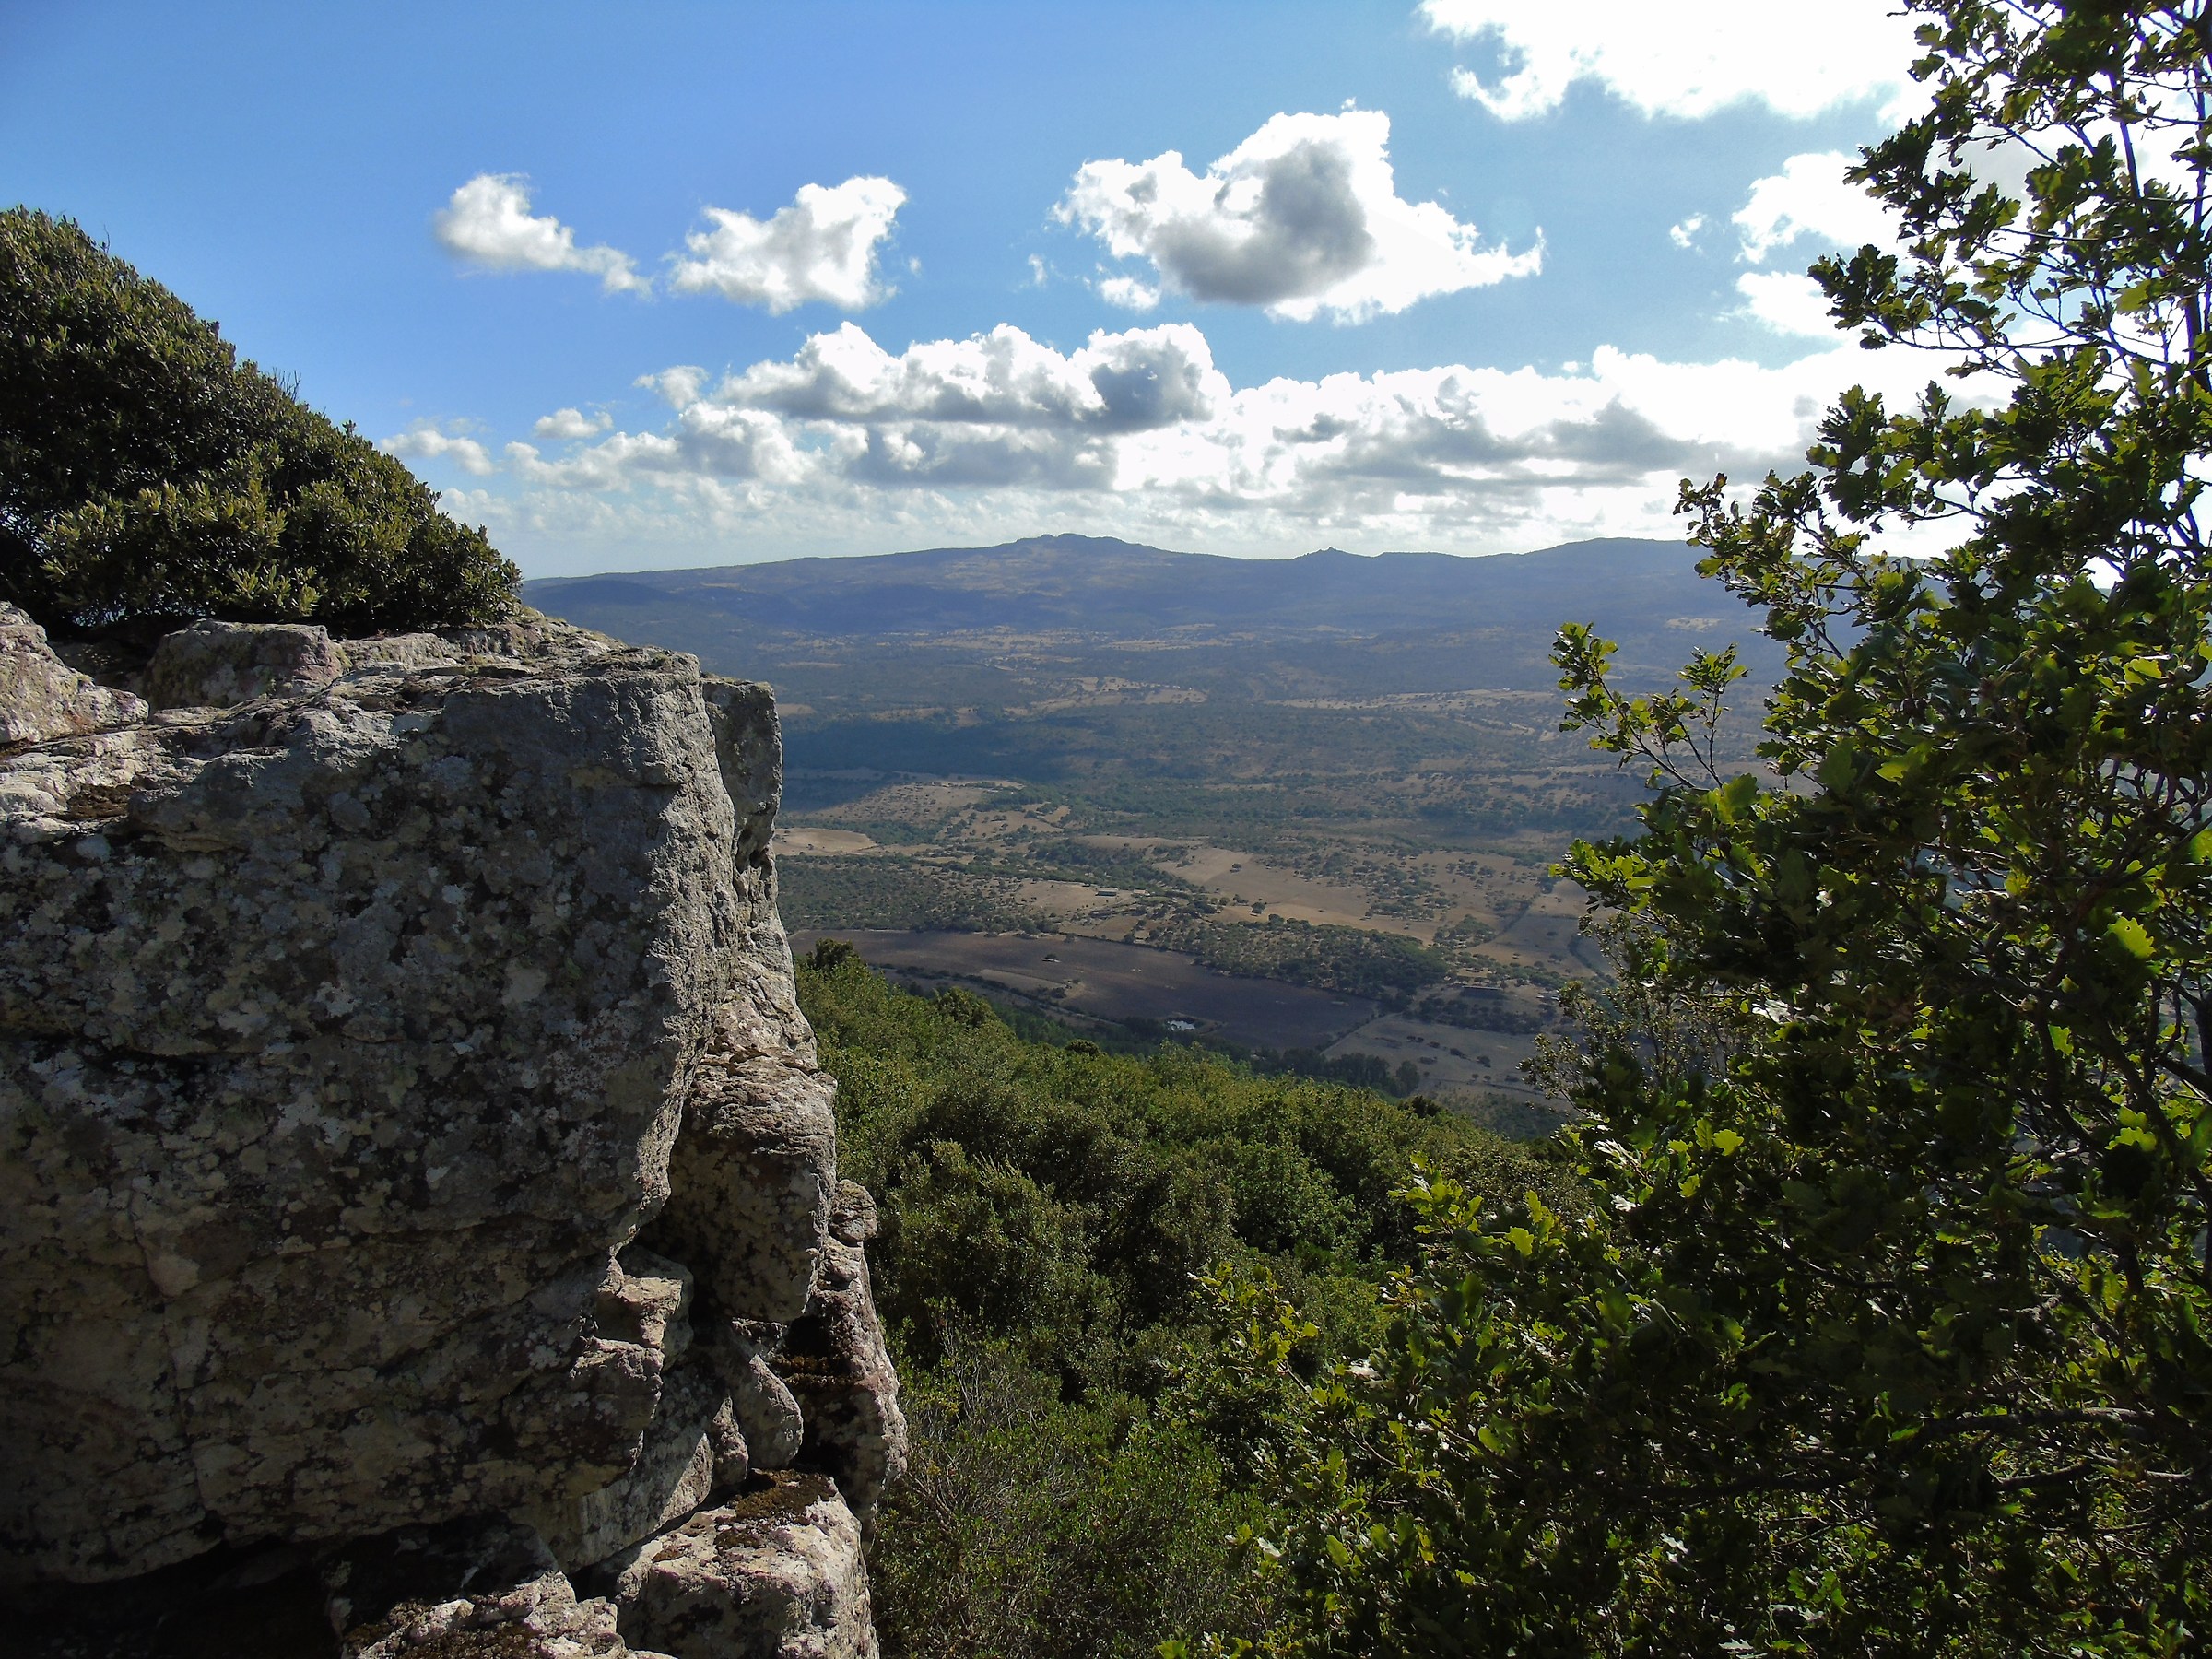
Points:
point(488, 223)
point(676, 386)
point(821, 247)
point(570, 424)
point(1130, 293)
point(1137, 433)
point(425, 441)
point(1685, 235)
point(1145, 377)
point(1301, 217)
point(1799, 57)
point(1786, 302)
point(1809, 197)
point(1809, 203)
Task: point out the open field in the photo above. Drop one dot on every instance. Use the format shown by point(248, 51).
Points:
point(1452, 1061)
point(1094, 984)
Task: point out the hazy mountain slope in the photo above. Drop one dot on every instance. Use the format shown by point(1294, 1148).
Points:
point(1103, 589)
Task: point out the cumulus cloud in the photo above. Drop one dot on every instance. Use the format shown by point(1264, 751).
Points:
point(1786, 302)
point(1806, 209)
point(1130, 293)
point(1302, 217)
point(1685, 234)
point(570, 424)
point(676, 386)
point(1799, 57)
point(1809, 197)
point(1142, 378)
point(488, 223)
point(1137, 433)
point(426, 440)
point(822, 247)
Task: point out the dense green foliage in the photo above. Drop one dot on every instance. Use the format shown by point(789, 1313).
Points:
point(145, 473)
point(1030, 1524)
point(1048, 1211)
point(1059, 1198)
point(1892, 1333)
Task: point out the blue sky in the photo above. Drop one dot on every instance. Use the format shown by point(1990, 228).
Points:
point(1476, 275)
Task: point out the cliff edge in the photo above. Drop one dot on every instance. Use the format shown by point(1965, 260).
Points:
point(415, 1172)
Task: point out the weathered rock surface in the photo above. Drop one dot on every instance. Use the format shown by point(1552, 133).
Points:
point(349, 1040)
point(220, 664)
point(766, 1410)
point(477, 1587)
point(834, 1362)
point(693, 1448)
point(775, 1574)
point(41, 698)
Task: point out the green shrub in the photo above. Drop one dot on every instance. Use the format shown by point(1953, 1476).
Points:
point(1889, 1331)
point(1030, 1526)
point(145, 473)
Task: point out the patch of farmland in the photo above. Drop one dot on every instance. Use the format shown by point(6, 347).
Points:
point(1105, 979)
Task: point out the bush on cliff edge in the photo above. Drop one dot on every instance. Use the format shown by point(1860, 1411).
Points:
point(145, 473)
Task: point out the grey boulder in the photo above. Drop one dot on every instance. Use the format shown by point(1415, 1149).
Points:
point(404, 1107)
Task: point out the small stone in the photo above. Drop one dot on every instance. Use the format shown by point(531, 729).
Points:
point(852, 1214)
point(761, 1401)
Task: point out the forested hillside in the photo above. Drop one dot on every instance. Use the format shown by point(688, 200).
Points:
point(1050, 1215)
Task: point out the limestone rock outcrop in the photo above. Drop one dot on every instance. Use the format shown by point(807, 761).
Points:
point(221, 665)
point(406, 1120)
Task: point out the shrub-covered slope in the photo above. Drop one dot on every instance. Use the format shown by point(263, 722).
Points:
point(145, 473)
point(1048, 1210)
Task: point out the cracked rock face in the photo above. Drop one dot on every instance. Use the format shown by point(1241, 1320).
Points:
point(350, 1036)
point(478, 1586)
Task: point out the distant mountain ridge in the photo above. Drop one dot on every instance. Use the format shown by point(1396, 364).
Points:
point(1105, 588)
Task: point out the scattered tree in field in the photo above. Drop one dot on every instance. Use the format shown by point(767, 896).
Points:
point(145, 473)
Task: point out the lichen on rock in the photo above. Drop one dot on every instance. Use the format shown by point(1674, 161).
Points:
point(403, 1102)
point(773, 1574)
point(41, 697)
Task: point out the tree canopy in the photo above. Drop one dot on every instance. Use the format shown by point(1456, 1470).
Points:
point(1888, 1329)
point(145, 473)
